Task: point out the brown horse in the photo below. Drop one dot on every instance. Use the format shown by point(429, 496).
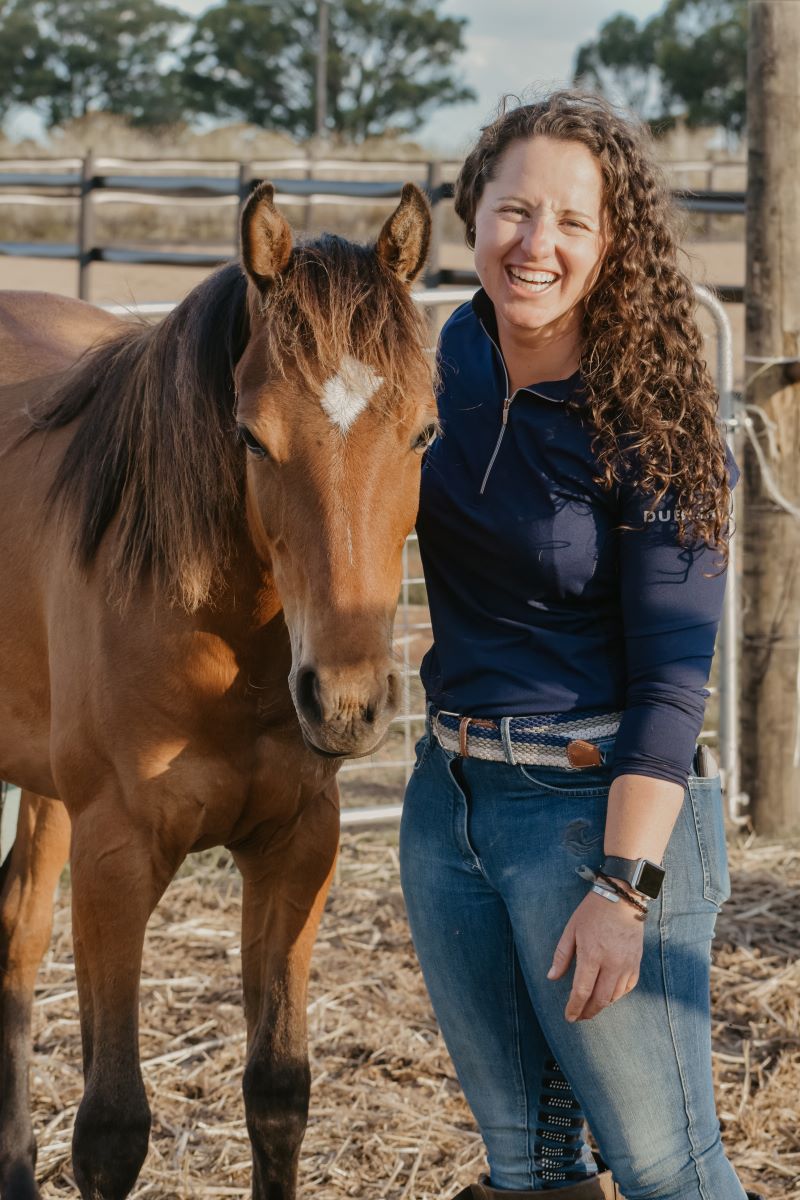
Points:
point(201, 527)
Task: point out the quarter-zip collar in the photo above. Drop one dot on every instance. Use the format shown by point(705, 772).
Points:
point(555, 390)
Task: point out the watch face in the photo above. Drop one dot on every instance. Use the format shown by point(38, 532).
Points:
point(650, 879)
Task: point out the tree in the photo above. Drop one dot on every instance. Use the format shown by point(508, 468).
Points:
point(689, 59)
point(390, 64)
point(249, 60)
point(24, 75)
point(622, 60)
point(702, 55)
point(103, 55)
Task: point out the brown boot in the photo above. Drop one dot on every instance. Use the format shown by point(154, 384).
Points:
point(599, 1187)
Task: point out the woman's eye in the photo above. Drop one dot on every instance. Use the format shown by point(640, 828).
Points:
point(252, 443)
point(427, 437)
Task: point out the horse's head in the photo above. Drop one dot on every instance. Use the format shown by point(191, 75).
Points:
point(335, 405)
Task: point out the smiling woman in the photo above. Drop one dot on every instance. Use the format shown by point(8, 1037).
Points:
point(573, 529)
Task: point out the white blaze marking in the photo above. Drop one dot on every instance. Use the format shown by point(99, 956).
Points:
point(348, 393)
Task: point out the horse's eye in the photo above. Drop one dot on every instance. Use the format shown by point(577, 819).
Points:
point(253, 445)
point(427, 437)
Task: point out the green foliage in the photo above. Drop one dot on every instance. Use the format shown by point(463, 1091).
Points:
point(390, 63)
point(23, 71)
point(689, 59)
point(247, 60)
point(623, 55)
point(93, 55)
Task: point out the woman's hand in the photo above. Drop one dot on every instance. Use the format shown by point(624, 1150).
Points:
point(606, 940)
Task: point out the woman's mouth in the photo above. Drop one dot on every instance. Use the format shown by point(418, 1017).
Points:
point(534, 282)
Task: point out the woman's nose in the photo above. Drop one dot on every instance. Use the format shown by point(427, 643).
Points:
point(538, 239)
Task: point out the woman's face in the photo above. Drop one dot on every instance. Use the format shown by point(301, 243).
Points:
point(539, 233)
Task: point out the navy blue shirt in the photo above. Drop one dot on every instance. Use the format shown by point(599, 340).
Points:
point(539, 601)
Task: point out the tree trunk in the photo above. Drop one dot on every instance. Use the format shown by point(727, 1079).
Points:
point(771, 553)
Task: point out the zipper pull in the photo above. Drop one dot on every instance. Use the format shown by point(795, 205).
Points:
point(506, 406)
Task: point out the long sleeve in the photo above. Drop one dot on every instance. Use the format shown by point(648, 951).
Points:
point(671, 602)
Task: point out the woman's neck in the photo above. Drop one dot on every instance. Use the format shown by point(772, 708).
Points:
point(533, 355)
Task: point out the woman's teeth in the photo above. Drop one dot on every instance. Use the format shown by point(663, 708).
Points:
point(533, 281)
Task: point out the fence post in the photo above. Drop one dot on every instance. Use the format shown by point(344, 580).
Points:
point(245, 175)
point(85, 226)
point(434, 186)
point(709, 221)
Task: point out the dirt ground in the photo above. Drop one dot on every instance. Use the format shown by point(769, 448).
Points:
point(388, 1121)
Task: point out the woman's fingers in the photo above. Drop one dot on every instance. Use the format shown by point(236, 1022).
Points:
point(563, 953)
point(607, 951)
point(583, 986)
point(625, 985)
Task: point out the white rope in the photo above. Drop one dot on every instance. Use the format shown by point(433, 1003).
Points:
point(766, 472)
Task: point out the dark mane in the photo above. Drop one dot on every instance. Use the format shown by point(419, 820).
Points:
point(156, 444)
point(156, 449)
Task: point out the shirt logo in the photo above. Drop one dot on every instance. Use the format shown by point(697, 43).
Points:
point(663, 514)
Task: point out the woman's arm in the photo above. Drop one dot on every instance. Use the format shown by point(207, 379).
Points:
point(671, 601)
point(641, 816)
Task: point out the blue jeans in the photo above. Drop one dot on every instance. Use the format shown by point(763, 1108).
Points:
point(488, 853)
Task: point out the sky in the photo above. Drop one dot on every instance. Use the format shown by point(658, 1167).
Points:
point(511, 44)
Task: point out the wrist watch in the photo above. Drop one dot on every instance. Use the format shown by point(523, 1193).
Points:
point(642, 874)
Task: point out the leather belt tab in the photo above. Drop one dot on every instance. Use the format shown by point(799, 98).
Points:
point(583, 754)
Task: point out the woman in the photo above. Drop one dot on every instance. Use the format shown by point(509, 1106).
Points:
point(573, 524)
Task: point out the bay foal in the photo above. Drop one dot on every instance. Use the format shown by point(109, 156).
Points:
point(201, 528)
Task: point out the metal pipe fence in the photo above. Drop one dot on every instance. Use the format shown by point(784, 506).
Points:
point(366, 777)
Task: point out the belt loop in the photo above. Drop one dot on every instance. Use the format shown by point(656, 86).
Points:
point(463, 728)
point(505, 734)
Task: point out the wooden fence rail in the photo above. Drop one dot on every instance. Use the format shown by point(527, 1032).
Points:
point(92, 180)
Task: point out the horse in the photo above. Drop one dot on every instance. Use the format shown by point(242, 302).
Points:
point(201, 526)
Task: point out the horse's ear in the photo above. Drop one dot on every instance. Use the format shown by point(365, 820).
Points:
point(405, 238)
point(266, 237)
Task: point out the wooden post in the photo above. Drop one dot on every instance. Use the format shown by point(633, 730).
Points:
point(245, 175)
point(85, 226)
point(771, 550)
point(434, 184)
point(433, 269)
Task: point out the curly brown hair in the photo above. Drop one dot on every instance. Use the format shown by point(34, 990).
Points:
point(650, 395)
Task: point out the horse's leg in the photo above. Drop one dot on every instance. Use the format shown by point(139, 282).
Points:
point(30, 876)
point(120, 869)
point(286, 881)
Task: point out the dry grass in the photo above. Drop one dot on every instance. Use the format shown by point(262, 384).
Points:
point(387, 1119)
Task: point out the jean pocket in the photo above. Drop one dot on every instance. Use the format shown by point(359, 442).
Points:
point(709, 821)
point(576, 782)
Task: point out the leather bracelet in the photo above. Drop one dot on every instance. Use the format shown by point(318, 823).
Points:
point(643, 908)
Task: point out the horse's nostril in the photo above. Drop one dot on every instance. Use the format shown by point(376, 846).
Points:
point(393, 688)
point(308, 693)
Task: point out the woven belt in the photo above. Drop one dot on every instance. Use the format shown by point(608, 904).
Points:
point(547, 739)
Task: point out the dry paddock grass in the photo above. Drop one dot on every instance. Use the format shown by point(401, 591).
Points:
point(387, 1118)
